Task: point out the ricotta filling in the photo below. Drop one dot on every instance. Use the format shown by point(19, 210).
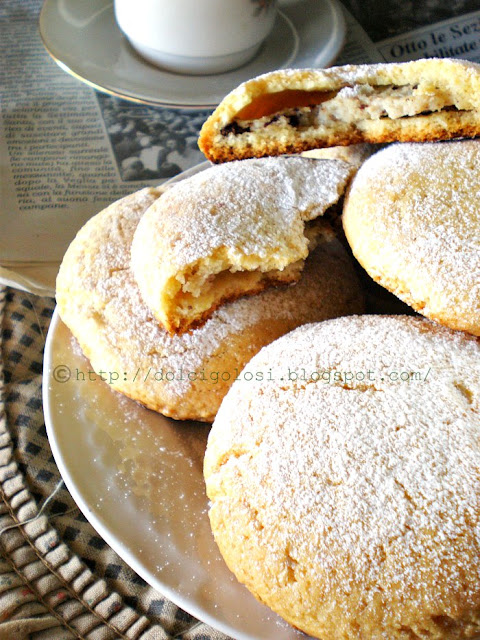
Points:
point(350, 104)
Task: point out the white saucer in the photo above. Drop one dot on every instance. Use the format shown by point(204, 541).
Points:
point(84, 40)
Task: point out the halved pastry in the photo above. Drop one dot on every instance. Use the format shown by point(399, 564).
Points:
point(290, 111)
point(232, 230)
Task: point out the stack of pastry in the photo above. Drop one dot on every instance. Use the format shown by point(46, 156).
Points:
point(155, 287)
point(345, 486)
point(343, 464)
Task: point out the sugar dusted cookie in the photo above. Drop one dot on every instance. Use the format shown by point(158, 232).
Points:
point(184, 377)
point(232, 230)
point(412, 220)
point(293, 110)
point(343, 479)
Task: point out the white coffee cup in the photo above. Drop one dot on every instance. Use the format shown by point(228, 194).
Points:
point(196, 36)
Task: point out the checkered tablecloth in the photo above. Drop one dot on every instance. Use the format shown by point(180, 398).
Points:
point(58, 578)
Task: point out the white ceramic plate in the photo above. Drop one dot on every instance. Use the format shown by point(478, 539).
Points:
point(137, 477)
point(84, 40)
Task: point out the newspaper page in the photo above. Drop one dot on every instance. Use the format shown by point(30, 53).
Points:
point(66, 150)
point(392, 32)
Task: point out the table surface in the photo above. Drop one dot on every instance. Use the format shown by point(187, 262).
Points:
point(58, 578)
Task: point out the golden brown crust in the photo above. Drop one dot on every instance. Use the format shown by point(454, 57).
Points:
point(447, 127)
point(455, 82)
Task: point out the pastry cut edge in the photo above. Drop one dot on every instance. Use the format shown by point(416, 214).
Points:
point(233, 230)
point(290, 111)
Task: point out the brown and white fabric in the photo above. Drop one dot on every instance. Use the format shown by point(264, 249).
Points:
point(58, 578)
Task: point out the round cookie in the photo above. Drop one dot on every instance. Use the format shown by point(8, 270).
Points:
point(186, 376)
point(411, 218)
point(343, 476)
point(232, 230)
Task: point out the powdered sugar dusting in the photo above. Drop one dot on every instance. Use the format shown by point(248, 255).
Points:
point(372, 485)
point(351, 73)
point(99, 300)
point(421, 229)
point(258, 206)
